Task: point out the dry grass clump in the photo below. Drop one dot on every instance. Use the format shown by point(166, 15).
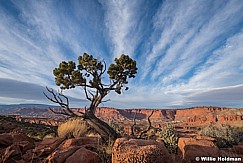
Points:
point(73, 128)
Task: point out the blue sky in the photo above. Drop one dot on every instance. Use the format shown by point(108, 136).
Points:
point(189, 52)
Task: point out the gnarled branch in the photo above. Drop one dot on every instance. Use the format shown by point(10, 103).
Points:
point(57, 98)
point(148, 128)
point(134, 124)
point(86, 94)
point(142, 132)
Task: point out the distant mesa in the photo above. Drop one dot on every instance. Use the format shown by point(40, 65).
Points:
point(195, 116)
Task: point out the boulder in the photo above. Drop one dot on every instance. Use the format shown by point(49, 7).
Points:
point(10, 153)
point(16, 151)
point(25, 145)
point(238, 148)
point(29, 156)
point(47, 146)
point(190, 148)
point(75, 151)
point(82, 141)
point(9, 139)
point(14, 146)
point(61, 155)
point(22, 137)
point(5, 140)
point(83, 155)
point(137, 150)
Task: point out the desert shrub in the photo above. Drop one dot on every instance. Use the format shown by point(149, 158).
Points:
point(73, 128)
point(170, 138)
point(117, 127)
point(41, 135)
point(225, 135)
point(49, 136)
point(239, 133)
point(151, 135)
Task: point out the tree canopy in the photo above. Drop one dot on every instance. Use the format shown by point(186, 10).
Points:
point(88, 74)
point(89, 71)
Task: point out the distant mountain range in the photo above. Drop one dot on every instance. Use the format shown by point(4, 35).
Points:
point(19, 106)
point(27, 109)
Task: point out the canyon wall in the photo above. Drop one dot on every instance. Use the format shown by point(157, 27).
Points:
point(196, 116)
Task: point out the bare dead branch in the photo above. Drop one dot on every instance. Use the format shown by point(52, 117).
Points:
point(86, 94)
point(59, 98)
point(90, 92)
point(56, 98)
point(148, 128)
point(106, 100)
point(134, 124)
point(57, 112)
point(67, 100)
point(48, 97)
point(84, 85)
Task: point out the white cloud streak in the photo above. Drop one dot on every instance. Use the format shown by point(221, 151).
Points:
point(190, 36)
point(174, 19)
point(221, 74)
point(30, 45)
point(205, 41)
point(122, 22)
point(193, 51)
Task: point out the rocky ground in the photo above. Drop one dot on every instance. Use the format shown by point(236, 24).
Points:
point(19, 144)
point(21, 148)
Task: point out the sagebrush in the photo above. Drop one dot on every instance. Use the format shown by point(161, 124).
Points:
point(225, 135)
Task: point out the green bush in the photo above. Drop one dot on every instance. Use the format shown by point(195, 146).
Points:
point(225, 135)
point(170, 138)
point(239, 133)
point(73, 128)
point(117, 127)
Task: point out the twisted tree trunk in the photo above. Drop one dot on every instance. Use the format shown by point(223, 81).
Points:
point(105, 131)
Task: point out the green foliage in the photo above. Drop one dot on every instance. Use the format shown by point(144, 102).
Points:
point(239, 131)
point(124, 67)
point(117, 127)
point(88, 74)
point(89, 70)
point(41, 135)
point(66, 76)
point(73, 128)
point(112, 123)
point(170, 138)
point(225, 135)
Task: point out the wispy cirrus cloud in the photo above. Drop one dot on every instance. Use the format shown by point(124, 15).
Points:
point(173, 21)
point(38, 40)
point(185, 50)
point(210, 37)
point(37, 36)
point(124, 22)
point(218, 79)
point(190, 36)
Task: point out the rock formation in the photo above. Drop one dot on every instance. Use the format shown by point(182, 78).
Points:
point(143, 151)
point(21, 148)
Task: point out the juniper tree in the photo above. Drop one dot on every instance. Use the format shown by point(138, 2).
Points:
point(88, 74)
